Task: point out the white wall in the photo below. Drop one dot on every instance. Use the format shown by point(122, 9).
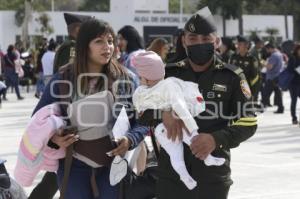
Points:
point(8, 29)
point(121, 6)
point(151, 5)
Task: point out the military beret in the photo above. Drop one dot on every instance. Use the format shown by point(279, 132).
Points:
point(201, 23)
point(241, 38)
point(228, 42)
point(74, 18)
point(257, 39)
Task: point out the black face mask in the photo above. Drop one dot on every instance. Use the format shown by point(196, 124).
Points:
point(200, 54)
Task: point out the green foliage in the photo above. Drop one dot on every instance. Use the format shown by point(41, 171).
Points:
point(272, 34)
point(41, 5)
point(272, 31)
point(226, 8)
point(253, 33)
point(11, 4)
point(230, 8)
point(44, 21)
point(187, 6)
point(174, 6)
point(95, 5)
point(276, 7)
point(19, 16)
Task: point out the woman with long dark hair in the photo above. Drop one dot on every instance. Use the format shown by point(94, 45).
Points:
point(94, 54)
point(129, 41)
point(294, 67)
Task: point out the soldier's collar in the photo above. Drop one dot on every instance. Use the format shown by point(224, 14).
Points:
point(217, 63)
point(183, 64)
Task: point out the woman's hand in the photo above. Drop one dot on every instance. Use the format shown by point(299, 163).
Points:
point(123, 145)
point(64, 140)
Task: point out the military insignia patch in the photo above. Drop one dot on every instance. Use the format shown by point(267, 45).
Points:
point(220, 87)
point(211, 95)
point(192, 27)
point(181, 64)
point(246, 89)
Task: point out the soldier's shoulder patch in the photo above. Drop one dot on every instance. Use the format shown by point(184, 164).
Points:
point(219, 66)
point(180, 64)
point(245, 89)
point(235, 69)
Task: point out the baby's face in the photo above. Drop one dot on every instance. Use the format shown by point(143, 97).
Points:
point(143, 81)
point(146, 82)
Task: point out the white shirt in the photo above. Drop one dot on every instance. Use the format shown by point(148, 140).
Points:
point(182, 96)
point(47, 63)
point(2, 85)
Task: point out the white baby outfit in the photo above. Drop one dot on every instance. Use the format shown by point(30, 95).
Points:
point(186, 101)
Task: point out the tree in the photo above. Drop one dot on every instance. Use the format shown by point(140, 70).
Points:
point(279, 7)
point(188, 6)
point(95, 5)
point(45, 28)
point(272, 32)
point(227, 9)
point(230, 9)
point(253, 33)
point(25, 22)
point(10, 4)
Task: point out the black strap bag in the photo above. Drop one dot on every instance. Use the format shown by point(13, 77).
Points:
point(141, 186)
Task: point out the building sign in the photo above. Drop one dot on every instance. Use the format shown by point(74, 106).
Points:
point(160, 19)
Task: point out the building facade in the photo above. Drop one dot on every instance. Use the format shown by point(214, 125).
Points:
point(150, 17)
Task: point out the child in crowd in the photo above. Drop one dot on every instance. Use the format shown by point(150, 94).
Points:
point(182, 97)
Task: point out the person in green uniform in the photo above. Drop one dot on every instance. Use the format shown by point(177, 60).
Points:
point(258, 51)
point(226, 49)
point(227, 121)
point(66, 52)
point(250, 65)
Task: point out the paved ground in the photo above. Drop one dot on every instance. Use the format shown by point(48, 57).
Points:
point(265, 167)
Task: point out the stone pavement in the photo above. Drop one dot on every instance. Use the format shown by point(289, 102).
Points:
point(267, 166)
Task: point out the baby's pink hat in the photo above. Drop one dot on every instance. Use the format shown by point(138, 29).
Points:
point(149, 65)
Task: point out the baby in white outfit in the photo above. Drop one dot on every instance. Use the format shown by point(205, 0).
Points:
point(181, 96)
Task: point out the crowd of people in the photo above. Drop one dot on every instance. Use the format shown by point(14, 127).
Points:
point(263, 63)
point(177, 86)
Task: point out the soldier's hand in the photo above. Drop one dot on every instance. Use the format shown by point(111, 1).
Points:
point(202, 145)
point(173, 125)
